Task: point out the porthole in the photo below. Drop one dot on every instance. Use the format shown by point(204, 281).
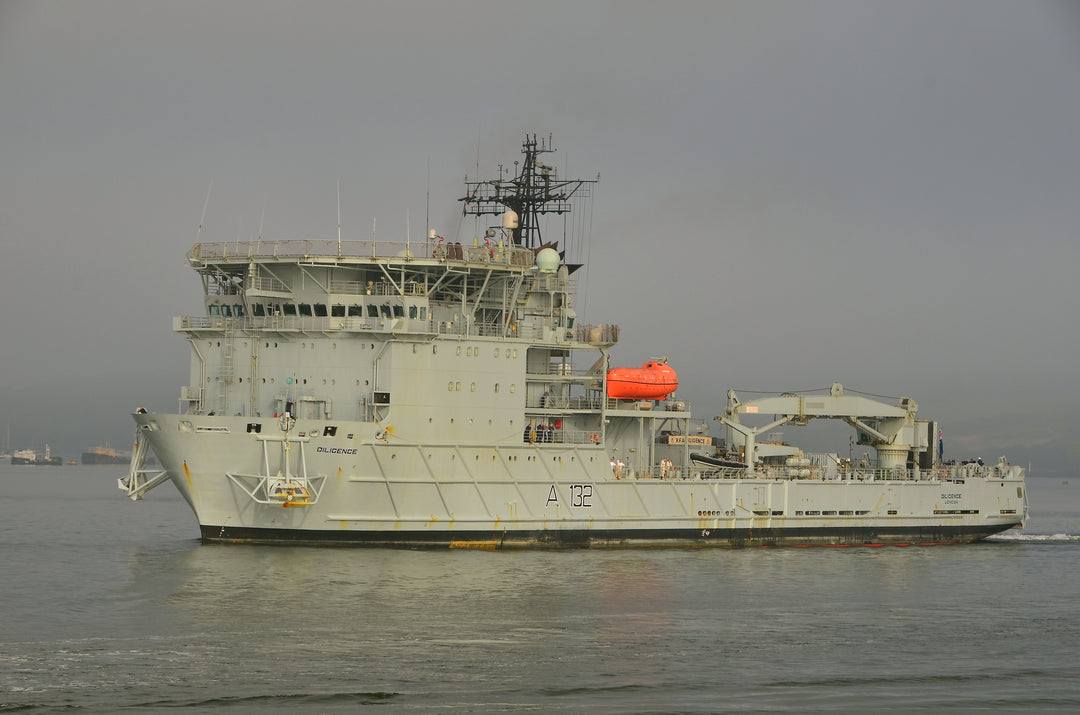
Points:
point(496, 352)
point(513, 388)
point(457, 386)
point(434, 349)
point(458, 349)
point(515, 353)
point(472, 387)
point(450, 386)
point(496, 387)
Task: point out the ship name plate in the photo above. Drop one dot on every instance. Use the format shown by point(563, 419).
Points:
point(336, 450)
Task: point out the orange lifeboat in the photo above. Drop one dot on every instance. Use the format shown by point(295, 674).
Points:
point(654, 380)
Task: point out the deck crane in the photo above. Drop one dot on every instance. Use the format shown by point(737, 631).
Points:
point(891, 430)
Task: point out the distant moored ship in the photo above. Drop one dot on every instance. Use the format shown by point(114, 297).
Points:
point(30, 456)
point(105, 455)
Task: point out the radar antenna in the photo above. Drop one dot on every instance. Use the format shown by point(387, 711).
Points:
point(533, 191)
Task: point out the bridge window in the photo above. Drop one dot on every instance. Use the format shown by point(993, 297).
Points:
point(215, 309)
point(289, 308)
point(258, 309)
point(373, 310)
point(337, 311)
point(356, 311)
point(385, 310)
point(305, 309)
point(412, 312)
point(226, 311)
point(399, 311)
point(320, 310)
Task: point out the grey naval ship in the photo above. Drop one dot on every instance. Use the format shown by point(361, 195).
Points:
point(445, 394)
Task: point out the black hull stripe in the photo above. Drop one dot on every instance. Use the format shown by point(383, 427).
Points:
point(628, 538)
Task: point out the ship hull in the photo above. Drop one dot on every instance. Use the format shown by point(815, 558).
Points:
point(104, 458)
point(570, 538)
point(370, 491)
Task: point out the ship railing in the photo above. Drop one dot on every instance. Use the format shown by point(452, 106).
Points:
point(559, 370)
point(268, 284)
point(306, 250)
point(578, 402)
point(379, 288)
point(313, 324)
point(549, 282)
point(538, 433)
point(861, 474)
point(655, 406)
point(320, 324)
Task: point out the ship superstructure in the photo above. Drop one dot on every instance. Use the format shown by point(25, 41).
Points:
point(445, 393)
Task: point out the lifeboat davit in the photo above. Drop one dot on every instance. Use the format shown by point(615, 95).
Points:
point(654, 380)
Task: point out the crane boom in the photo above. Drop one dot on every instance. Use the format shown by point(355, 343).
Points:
point(889, 429)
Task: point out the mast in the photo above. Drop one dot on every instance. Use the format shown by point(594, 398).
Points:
point(533, 191)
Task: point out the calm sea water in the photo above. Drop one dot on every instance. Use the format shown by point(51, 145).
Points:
point(110, 606)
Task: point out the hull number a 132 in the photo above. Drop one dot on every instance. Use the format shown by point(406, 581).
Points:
point(580, 495)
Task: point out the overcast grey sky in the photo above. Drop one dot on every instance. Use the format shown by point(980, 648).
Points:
point(792, 193)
